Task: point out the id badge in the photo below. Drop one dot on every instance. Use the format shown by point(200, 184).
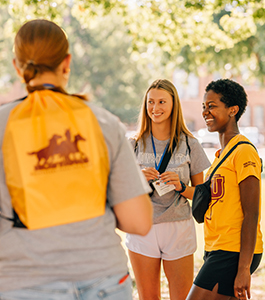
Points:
point(162, 188)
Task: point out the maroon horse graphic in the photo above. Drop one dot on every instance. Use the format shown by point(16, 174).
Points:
point(64, 153)
point(69, 150)
point(46, 153)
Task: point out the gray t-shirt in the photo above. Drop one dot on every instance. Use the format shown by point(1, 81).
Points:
point(78, 251)
point(173, 206)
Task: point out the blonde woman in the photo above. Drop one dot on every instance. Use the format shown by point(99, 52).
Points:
point(172, 239)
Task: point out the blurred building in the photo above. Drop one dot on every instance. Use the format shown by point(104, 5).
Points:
point(191, 91)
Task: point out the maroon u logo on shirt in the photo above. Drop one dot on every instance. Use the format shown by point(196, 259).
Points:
point(217, 191)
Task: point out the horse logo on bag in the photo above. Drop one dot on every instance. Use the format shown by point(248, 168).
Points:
point(60, 152)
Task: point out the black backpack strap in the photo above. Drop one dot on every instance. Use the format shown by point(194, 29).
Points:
point(167, 157)
point(135, 146)
point(227, 154)
point(16, 221)
point(187, 143)
point(188, 147)
point(6, 218)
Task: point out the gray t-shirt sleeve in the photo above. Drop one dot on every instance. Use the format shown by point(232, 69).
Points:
point(198, 157)
point(126, 179)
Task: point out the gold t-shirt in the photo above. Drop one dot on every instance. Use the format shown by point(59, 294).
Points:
point(224, 217)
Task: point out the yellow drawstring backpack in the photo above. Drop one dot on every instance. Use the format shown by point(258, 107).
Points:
point(55, 160)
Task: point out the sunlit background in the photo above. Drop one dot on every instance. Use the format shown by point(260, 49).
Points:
point(119, 47)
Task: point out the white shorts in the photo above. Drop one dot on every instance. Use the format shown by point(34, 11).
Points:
point(169, 241)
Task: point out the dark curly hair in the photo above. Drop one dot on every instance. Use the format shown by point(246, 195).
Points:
point(232, 94)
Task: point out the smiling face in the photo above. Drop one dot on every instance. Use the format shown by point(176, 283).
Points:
point(159, 106)
point(216, 114)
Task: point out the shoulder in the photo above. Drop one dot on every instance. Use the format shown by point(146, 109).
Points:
point(103, 116)
point(246, 159)
point(132, 140)
point(110, 124)
point(247, 150)
point(191, 142)
point(244, 146)
point(6, 107)
point(112, 129)
point(5, 110)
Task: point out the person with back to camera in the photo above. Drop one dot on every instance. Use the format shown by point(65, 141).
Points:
point(172, 238)
point(233, 240)
point(80, 259)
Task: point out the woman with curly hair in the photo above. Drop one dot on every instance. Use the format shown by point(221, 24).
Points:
point(233, 240)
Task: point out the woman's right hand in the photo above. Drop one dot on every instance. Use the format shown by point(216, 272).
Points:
point(150, 173)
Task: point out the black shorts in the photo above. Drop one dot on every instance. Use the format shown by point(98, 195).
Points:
point(221, 267)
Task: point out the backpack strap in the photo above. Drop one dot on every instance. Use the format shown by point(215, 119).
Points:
point(166, 158)
point(228, 153)
point(187, 143)
point(188, 147)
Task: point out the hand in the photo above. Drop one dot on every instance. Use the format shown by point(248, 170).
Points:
point(150, 173)
point(171, 178)
point(242, 285)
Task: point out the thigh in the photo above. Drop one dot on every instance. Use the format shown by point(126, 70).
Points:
point(115, 287)
point(220, 268)
point(147, 275)
point(198, 293)
point(179, 274)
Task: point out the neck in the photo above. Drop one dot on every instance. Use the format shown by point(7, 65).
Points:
point(161, 131)
point(227, 136)
point(47, 78)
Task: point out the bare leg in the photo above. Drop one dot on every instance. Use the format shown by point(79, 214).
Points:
point(147, 275)
point(197, 293)
point(179, 274)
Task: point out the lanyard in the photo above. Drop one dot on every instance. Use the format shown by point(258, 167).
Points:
point(154, 149)
point(48, 85)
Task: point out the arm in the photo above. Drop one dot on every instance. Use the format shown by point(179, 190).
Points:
point(135, 215)
point(195, 179)
point(249, 189)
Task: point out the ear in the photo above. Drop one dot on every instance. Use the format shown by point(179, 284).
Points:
point(233, 110)
point(17, 68)
point(66, 63)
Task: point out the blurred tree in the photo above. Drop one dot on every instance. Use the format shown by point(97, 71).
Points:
point(119, 45)
point(103, 67)
point(188, 32)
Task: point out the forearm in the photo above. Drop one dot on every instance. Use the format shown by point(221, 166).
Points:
point(135, 215)
point(248, 241)
point(249, 189)
point(188, 193)
point(195, 179)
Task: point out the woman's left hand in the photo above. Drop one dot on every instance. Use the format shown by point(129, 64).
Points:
point(242, 285)
point(171, 178)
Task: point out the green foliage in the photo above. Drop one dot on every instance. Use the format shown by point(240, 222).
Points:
point(103, 67)
point(118, 46)
point(102, 64)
